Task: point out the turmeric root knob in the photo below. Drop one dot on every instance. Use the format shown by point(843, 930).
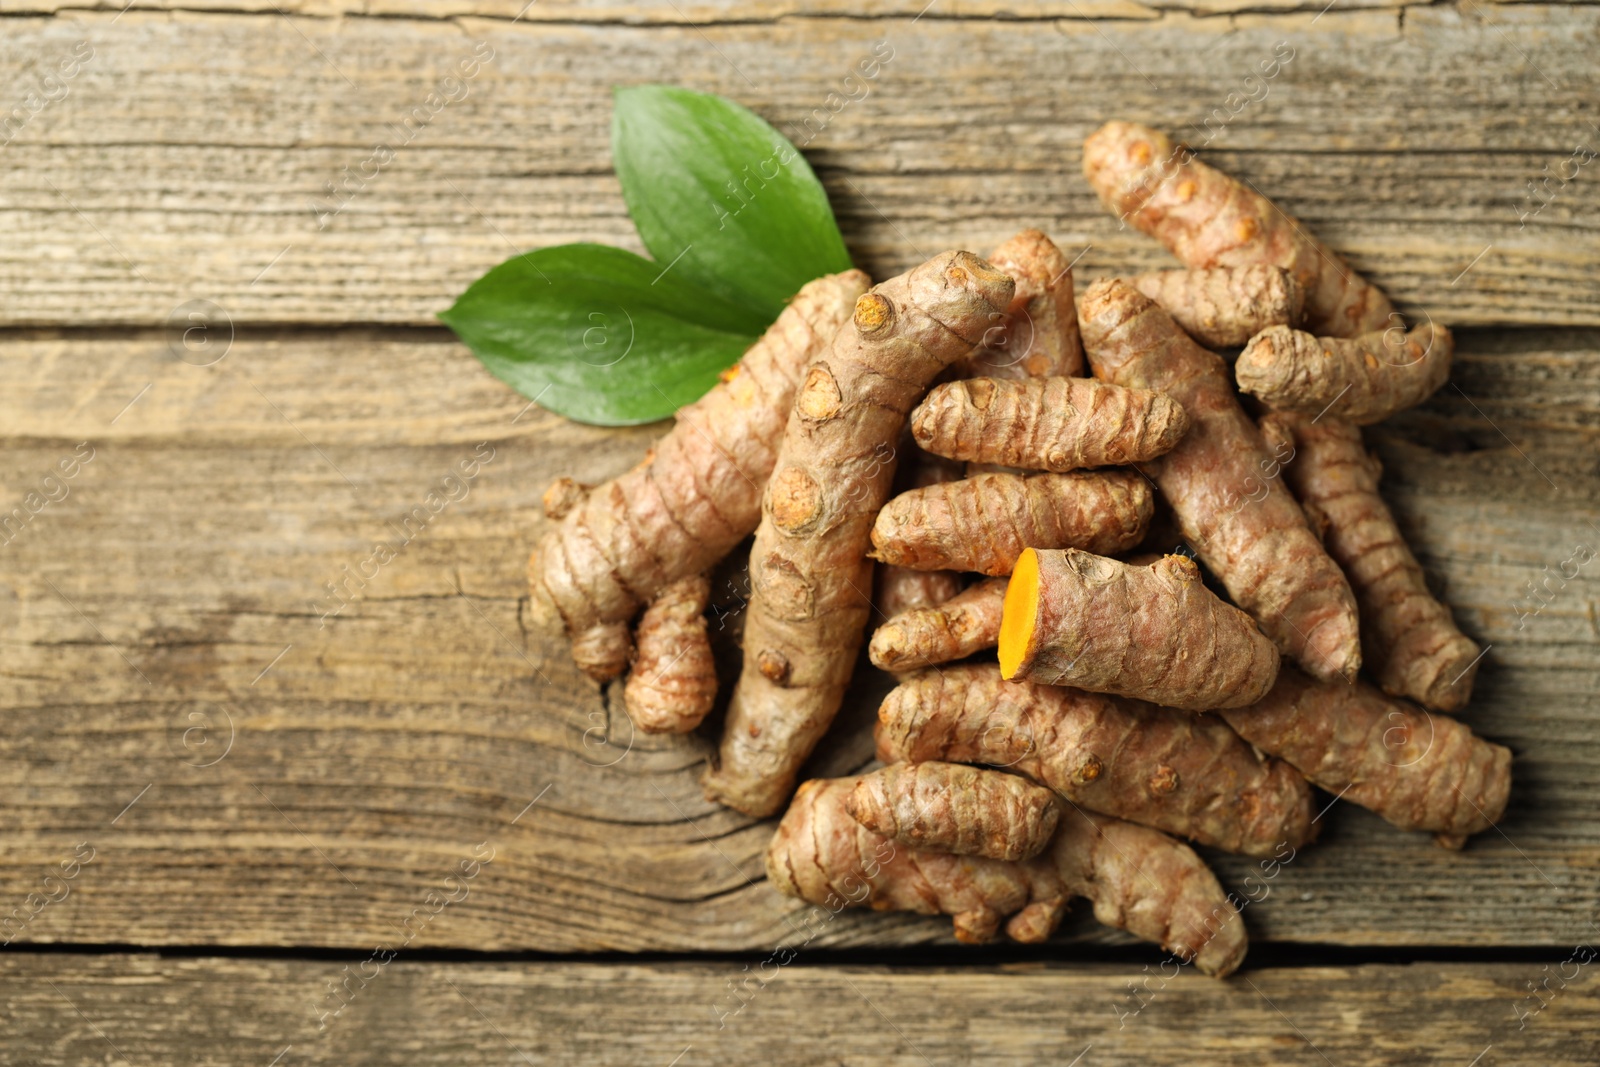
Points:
point(1153, 633)
point(949, 807)
point(562, 496)
point(1048, 424)
point(674, 678)
point(604, 650)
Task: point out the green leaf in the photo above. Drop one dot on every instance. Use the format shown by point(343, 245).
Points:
point(600, 335)
point(722, 197)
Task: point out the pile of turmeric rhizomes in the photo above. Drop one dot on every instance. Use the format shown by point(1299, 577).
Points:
point(1128, 706)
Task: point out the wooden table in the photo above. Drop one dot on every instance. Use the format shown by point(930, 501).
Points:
point(259, 804)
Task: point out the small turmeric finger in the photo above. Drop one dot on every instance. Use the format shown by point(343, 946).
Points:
point(1223, 485)
point(901, 589)
point(1153, 633)
point(1047, 424)
point(1362, 380)
point(604, 650)
point(1154, 887)
point(1223, 307)
point(562, 496)
point(984, 522)
point(1139, 880)
point(1185, 774)
point(950, 807)
point(1418, 771)
point(1039, 338)
point(1208, 219)
point(674, 678)
point(1409, 640)
point(956, 629)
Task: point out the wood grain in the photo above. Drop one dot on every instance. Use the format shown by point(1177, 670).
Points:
point(706, 12)
point(171, 601)
point(220, 759)
point(185, 159)
point(214, 1012)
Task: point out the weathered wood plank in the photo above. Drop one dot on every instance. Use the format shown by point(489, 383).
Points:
point(170, 601)
point(707, 12)
point(186, 158)
point(214, 1012)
